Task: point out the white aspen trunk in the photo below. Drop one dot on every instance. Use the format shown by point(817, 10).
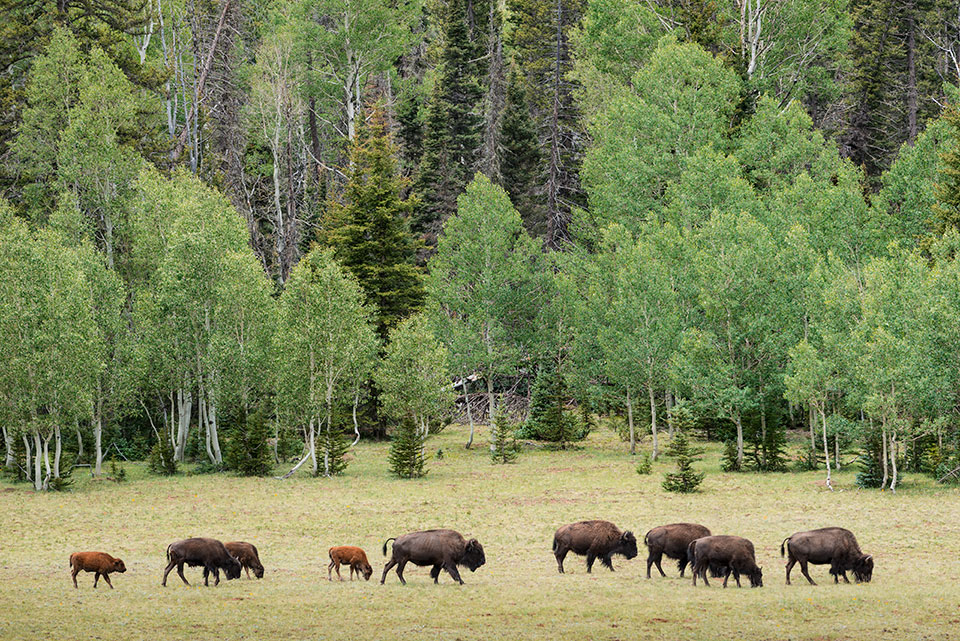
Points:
point(46, 461)
point(653, 423)
point(739, 424)
point(836, 451)
point(28, 450)
point(813, 423)
point(356, 426)
point(8, 460)
point(312, 445)
point(98, 444)
point(826, 449)
point(184, 409)
point(883, 439)
point(763, 436)
point(57, 451)
point(466, 395)
point(492, 406)
point(76, 426)
point(214, 432)
point(633, 435)
point(893, 460)
point(202, 418)
point(38, 452)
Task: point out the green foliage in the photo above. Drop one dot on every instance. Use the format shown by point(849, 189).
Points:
point(685, 479)
point(728, 460)
point(947, 187)
point(117, 472)
point(547, 419)
point(161, 460)
point(520, 161)
point(870, 474)
point(62, 483)
point(247, 452)
point(406, 451)
point(332, 447)
point(644, 464)
point(504, 442)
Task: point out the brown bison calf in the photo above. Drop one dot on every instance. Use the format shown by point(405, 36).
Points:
point(833, 545)
point(671, 540)
point(99, 562)
point(352, 556)
point(728, 554)
point(442, 549)
point(596, 540)
point(247, 554)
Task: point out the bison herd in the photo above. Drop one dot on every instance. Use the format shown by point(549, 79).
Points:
point(447, 550)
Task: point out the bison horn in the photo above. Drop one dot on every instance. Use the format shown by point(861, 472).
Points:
point(869, 557)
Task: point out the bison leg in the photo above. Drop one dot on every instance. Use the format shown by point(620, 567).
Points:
point(591, 557)
point(166, 572)
point(106, 577)
point(337, 568)
point(206, 575)
point(75, 571)
point(402, 564)
point(96, 577)
point(736, 577)
point(561, 554)
point(651, 559)
point(435, 573)
point(790, 565)
point(451, 569)
point(682, 564)
point(607, 561)
point(803, 570)
point(216, 576)
point(330, 570)
point(845, 579)
point(247, 570)
point(726, 576)
point(386, 569)
point(703, 575)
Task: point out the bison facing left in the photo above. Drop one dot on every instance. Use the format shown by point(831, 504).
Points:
point(442, 549)
point(99, 562)
point(595, 539)
point(210, 554)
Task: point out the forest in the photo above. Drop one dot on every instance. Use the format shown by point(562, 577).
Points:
point(247, 233)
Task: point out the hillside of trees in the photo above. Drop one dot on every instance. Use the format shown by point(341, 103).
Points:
point(257, 230)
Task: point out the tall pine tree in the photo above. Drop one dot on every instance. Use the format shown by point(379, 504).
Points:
point(369, 230)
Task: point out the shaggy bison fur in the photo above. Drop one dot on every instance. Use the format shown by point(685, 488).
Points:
point(101, 563)
point(441, 549)
point(729, 554)
point(671, 540)
point(248, 556)
point(211, 554)
point(830, 545)
point(595, 539)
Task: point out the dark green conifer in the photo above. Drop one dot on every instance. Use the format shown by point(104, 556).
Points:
point(406, 451)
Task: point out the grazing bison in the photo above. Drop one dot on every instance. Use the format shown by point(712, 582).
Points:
point(443, 549)
point(248, 556)
point(596, 540)
point(833, 545)
point(99, 562)
point(729, 554)
point(211, 554)
point(350, 555)
point(673, 541)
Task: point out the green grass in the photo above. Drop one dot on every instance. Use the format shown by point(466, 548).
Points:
point(513, 510)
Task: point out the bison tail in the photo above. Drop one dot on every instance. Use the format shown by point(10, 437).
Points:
point(392, 538)
point(168, 552)
point(782, 553)
point(555, 544)
point(646, 539)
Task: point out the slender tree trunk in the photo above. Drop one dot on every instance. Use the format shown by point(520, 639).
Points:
point(826, 449)
point(556, 224)
point(8, 460)
point(184, 410)
point(98, 442)
point(312, 444)
point(910, 10)
point(763, 436)
point(466, 395)
point(836, 451)
point(492, 405)
point(739, 424)
point(671, 402)
point(653, 422)
point(633, 436)
point(57, 451)
point(202, 418)
point(76, 426)
point(883, 439)
point(893, 460)
point(214, 432)
point(813, 424)
point(38, 452)
point(356, 426)
point(28, 450)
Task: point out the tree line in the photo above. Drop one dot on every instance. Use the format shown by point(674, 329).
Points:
point(310, 209)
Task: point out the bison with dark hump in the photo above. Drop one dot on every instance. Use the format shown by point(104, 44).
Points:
point(830, 545)
point(101, 563)
point(210, 554)
point(729, 554)
point(595, 539)
point(671, 540)
point(441, 549)
point(248, 556)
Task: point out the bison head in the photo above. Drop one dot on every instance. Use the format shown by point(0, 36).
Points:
point(627, 545)
point(367, 571)
point(118, 566)
point(756, 578)
point(232, 568)
point(258, 571)
point(473, 556)
point(863, 569)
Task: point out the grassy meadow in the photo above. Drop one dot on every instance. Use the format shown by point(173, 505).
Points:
point(513, 510)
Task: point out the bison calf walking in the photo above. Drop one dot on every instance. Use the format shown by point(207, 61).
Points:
point(211, 554)
point(595, 539)
point(729, 554)
point(99, 562)
point(442, 549)
point(671, 540)
point(350, 555)
point(830, 545)
point(248, 556)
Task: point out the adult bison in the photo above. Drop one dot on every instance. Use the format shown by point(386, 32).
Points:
point(833, 545)
point(211, 554)
point(248, 556)
point(595, 539)
point(731, 554)
point(671, 540)
point(442, 549)
point(101, 563)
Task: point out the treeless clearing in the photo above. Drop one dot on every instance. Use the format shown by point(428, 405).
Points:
point(513, 510)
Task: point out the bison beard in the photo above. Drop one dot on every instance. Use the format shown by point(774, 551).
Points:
point(441, 549)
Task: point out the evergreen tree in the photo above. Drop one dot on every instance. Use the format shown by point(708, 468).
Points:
point(453, 123)
point(332, 446)
point(547, 420)
point(947, 187)
point(520, 160)
point(870, 474)
point(369, 230)
point(685, 479)
point(406, 451)
point(504, 442)
point(247, 451)
point(162, 460)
